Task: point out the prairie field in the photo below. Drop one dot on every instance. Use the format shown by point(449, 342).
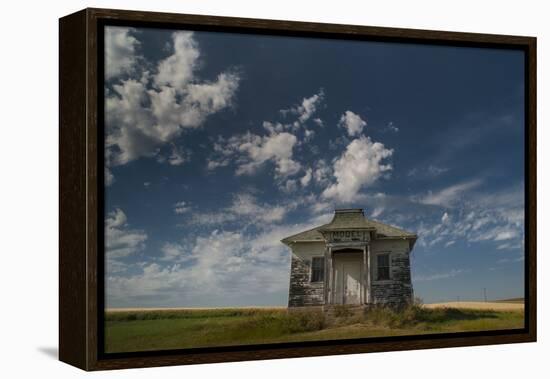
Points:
point(133, 330)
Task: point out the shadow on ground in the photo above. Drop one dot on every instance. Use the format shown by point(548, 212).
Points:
point(50, 351)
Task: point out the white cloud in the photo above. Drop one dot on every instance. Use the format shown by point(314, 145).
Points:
point(246, 205)
point(304, 181)
point(499, 233)
point(212, 164)
point(109, 177)
point(319, 122)
point(120, 240)
point(352, 123)
point(377, 212)
point(181, 207)
point(177, 157)
point(448, 196)
point(307, 107)
point(511, 260)
point(496, 218)
point(120, 51)
point(308, 135)
point(360, 165)
point(322, 172)
point(391, 127)
point(289, 186)
point(244, 208)
point(439, 276)
point(175, 252)
point(177, 70)
point(431, 171)
point(147, 112)
point(274, 127)
point(221, 268)
point(337, 142)
point(256, 150)
point(251, 151)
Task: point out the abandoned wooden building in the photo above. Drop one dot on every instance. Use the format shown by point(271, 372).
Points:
point(351, 260)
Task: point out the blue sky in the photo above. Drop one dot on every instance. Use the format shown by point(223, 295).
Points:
point(218, 145)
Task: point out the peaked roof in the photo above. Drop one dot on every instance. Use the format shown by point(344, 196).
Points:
point(349, 219)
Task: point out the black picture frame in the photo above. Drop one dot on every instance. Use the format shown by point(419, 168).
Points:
point(81, 271)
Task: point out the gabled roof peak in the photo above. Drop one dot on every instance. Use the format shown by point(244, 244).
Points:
point(350, 218)
point(349, 210)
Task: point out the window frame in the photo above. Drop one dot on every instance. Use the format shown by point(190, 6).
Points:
point(311, 267)
point(389, 278)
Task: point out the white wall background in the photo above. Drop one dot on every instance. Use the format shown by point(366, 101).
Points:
point(28, 194)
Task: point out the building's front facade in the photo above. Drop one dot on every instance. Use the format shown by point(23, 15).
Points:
point(350, 261)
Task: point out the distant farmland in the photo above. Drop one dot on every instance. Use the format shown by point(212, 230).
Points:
point(145, 330)
point(502, 305)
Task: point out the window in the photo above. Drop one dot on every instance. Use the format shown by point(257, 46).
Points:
point(317, 269)
point(383, 266)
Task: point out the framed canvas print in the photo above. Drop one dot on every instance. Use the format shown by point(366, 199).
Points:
point(236, 189)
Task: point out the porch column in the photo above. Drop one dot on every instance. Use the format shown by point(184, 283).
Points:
point(369, 274)
point(328, 271)
point(364, 279)
point(330, 277)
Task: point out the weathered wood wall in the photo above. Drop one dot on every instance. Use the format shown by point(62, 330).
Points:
point(396, 291)
point(301, 291)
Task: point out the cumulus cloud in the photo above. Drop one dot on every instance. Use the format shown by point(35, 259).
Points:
point(322, 172)
point(177, 70)
point(319, 122)
point(120, 51)
point(221, 268)
point(109, 177)
point(246, 205)
point(306, 108)
point(353, 123)
point(304, 180)
point(176, 252)
point(360, 165)
point(291, 185)
point(254, 151)
point(150, 110)
point(177, 156)
point(308, 135)
point(120, 240)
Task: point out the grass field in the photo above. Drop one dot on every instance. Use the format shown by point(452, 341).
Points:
point(142, 330)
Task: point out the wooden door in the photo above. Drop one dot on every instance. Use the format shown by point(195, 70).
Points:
point(352, 286)
point(347, 281)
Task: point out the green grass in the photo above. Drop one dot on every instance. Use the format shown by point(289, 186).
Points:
point(176, 329)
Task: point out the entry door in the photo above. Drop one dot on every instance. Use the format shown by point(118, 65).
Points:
point(347, 280)
point(352, 286)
